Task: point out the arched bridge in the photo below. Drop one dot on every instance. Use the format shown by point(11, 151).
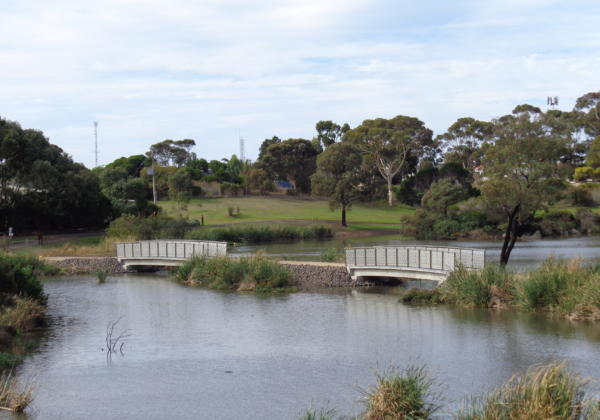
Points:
point(411, 262)
point(163, 253)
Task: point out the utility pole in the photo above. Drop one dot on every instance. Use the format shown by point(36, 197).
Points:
point(242, 151)
point(96, 142)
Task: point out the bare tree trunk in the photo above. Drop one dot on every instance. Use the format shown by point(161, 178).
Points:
point(344, 215)
point(510, 236)
point(390, 192)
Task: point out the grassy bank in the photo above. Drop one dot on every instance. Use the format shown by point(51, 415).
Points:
point(568, 288)
point(22, 310)
point(253, 274)
point(262, 209)
point(540, 393)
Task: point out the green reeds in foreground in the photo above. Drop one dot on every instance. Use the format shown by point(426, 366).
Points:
point(542, 393)
point(401, 395)
point(12, 397)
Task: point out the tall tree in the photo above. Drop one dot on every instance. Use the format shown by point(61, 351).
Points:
point(393, 146)
point(462, 142)
point(170, 152)
point(588, 109)
point(338, 176)
point(293, 160)
point(42, 188)
point(329, 132)
point(521, 173)
point(265, 145)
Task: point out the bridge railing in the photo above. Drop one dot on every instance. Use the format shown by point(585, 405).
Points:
point(417, 257)
point(170, 249)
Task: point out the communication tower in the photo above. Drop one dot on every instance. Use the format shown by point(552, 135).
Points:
point(242, 151)
point(96, 142)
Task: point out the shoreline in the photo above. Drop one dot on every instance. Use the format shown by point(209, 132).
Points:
point(306, 275)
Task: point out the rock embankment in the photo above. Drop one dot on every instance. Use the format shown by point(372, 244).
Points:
point(86, 265)
point(305, 274)
point(310, 275)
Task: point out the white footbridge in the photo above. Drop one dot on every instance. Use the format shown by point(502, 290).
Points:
point(411, 262)
point(164, 253)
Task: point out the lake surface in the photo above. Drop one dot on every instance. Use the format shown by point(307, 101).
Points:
point(527, 254)
point(198, 354)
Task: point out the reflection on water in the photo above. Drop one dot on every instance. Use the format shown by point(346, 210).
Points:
point(526, 254)
point(200, 354)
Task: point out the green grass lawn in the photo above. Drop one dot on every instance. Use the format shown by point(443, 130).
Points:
point(263, 209)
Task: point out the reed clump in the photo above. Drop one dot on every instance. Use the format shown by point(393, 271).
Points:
point(12, 396)
point(248, 274)
point(417, 296)
point(260, 234)
point(541, 393)
point(569, 288)
point(23, 314)
point(401, 395)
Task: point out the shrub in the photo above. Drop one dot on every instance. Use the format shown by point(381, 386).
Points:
point(583, 173)
point(331, 255)
point(19, 275)
point(260, 234)
point(154, 227)
point(556, 223)
point(401, 395)
point(547, 392)
point(8, 360)
point(582, 197)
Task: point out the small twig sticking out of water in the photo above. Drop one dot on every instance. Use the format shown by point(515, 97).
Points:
point(114, 344)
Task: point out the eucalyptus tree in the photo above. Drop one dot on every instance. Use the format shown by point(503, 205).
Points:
point(463, 140)
point(329, 132)
point(521, 172)
point(338, 176)
point(393, 146)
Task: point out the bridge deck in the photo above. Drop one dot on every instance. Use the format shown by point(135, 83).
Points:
point(411, 262)
point(167, 252)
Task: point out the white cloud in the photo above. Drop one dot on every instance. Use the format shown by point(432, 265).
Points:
point(149, 70)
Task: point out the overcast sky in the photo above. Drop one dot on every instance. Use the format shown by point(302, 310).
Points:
point(213, 70)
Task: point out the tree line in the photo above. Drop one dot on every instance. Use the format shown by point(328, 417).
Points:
point(510, 167)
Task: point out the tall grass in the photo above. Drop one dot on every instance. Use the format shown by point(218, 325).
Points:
point(23, 315)
point(104, 248)
point(242, 274)
point(570, 288)
point(541, 393)
point(12, 396)
point(477, 288)
point(260, 234)
point(401, 395)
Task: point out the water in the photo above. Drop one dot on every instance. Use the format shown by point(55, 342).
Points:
point(198, 354)
point(527, 254)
